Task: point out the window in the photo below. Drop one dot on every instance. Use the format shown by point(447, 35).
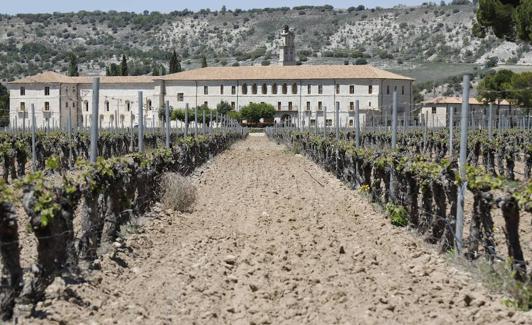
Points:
point(22, 91)
point(148, 102)
point(205, 90)
point(352, 89)
point(128, 105)
point(73, 104)
point(264, 89)
point(320, 89)
point(274, 89)
point(294, 88)
point(289, 106)
point(369, 103)
point(329, 122)
point(233, 104)
point(312, 122)
point(221, 89)
point(22, 106)
point(402, 90)
point(205, 104)
point(320, 106)
point(278, 106)
point(233, 90)
point(86, 103)
point(66, 104)
point(433, 110)
point(180, 97)
point(387, 90)
point(46, 91)
point(107, 105)
point(254, 89)
point(337, 89)
point(350, 122)
point(244, 89)
point(285, 89)
point(308, 106)
point(351, 106)
point(46, 106)
point(370, 89)
point(309, 89)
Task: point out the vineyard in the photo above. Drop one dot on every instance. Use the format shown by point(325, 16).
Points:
point(417, 183)
point(74, 206)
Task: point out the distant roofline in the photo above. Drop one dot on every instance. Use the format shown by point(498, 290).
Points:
point(273, 72)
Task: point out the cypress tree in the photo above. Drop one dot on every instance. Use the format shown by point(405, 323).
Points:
point(73, 66)
point(174, 65)
point(123, 66)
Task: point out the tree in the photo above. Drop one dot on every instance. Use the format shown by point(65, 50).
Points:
point(521, 85)
point(253, 112)
point(174, 65)
point(123, 66)
point(361, 61)
point(113, 70)
point(508, 19)
point(203, 62)
point(223, 108)
point(4, 106)
point(495, 87)
point(73, 66)
point(155, 70)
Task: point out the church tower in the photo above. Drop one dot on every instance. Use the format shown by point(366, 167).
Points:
point(287, 50)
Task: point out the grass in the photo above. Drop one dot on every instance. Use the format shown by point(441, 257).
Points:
point(498, 277)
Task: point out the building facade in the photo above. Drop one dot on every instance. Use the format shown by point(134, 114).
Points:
point(298, 93)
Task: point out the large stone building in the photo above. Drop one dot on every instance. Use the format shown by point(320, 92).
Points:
point(299, 93)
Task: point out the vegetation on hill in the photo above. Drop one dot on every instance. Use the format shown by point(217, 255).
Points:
point(31, 43)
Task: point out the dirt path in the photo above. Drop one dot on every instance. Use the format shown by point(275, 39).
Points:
point(273, 239)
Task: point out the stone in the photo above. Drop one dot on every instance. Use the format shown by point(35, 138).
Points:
point(342, 250)
point(55, 289)
point(230, 259)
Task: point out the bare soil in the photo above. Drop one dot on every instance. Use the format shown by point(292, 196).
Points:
point(273, 239)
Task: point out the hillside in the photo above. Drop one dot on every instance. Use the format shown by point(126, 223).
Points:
point(389, 38)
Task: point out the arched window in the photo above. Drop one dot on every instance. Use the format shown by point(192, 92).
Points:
point(86, 104)
point(254, 89)
point(148, 103)
point(285, 89)
point(244, 89)
point(264, 89)
point(274, 89)
point(294, 88)
point(107, 105)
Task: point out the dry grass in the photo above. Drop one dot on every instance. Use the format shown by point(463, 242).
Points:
point(177, 192)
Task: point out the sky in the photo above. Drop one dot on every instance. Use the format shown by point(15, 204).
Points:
point(49, 6)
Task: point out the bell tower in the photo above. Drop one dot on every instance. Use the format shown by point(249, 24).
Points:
point(287, 50)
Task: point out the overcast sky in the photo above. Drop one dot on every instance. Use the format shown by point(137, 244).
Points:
point(39, 6)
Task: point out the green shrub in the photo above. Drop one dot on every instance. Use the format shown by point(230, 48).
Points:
point(398, 215)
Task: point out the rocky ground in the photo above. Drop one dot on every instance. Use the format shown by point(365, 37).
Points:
point(273, 239)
